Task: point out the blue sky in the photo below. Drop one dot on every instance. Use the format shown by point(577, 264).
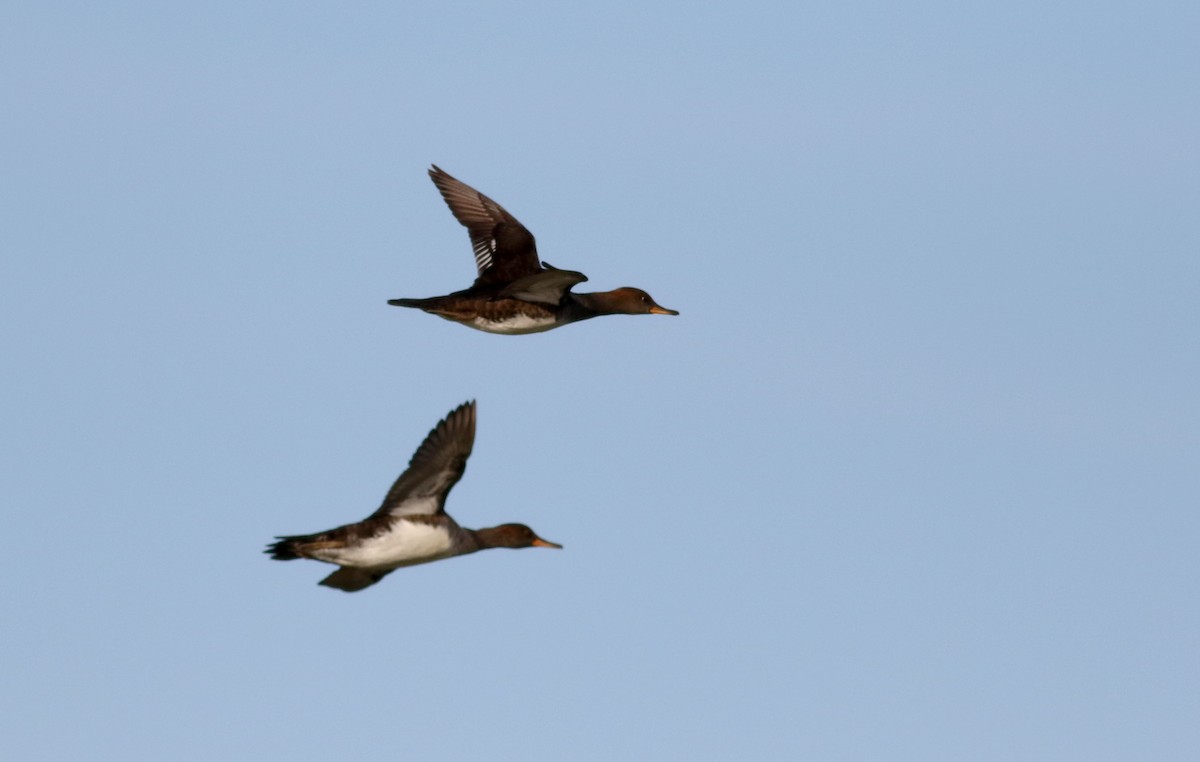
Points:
point(912, 476)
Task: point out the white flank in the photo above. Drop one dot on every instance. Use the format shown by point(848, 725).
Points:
point(407, 543)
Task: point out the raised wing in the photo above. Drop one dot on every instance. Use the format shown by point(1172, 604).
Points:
point(436, 466)
point(504, 249)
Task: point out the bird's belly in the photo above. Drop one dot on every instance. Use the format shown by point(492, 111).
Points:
point(515, 325)
point(404, 544)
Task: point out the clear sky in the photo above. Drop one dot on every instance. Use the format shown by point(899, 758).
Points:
point(913, 476)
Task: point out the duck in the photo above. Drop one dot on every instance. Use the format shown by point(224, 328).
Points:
point(411, 526)
point(514, 292)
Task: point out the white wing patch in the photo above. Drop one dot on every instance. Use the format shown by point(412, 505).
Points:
point(417, 504)
point(483, 254)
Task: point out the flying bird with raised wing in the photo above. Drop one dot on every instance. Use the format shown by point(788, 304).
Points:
point(515, 292)
point(412, 526)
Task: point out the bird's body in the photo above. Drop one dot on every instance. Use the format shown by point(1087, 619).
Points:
point(501, 315)
point(411, 527)
point(516, 293)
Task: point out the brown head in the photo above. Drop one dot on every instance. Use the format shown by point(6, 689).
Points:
point(511, 536)
point(624, 301)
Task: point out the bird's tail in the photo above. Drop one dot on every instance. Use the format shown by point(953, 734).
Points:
point(407, 302)
point(284, 549)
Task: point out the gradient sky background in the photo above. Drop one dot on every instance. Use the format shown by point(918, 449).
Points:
point(912, 477)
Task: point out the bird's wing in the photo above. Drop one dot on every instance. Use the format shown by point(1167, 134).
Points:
point(547, 286)
point(504, 249)
point(435, 468)
point(352, 579)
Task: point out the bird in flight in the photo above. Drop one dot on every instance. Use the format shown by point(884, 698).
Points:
point(412, 526)
point(515, 292)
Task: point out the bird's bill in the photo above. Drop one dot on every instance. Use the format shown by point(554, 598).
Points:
point(540, 543)
point(656, 310)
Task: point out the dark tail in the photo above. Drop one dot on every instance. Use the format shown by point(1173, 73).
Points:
point(418, 303)
point(284, 550)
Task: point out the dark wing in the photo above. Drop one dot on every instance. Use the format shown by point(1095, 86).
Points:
point(547, 286)
point(352, 580)
point(504, 249)
point(437, 466)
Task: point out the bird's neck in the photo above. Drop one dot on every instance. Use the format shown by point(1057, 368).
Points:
point(484, 538)
point(584, 306)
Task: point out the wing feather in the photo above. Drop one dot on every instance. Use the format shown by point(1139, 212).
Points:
point(504, 249)
point(435, 468)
